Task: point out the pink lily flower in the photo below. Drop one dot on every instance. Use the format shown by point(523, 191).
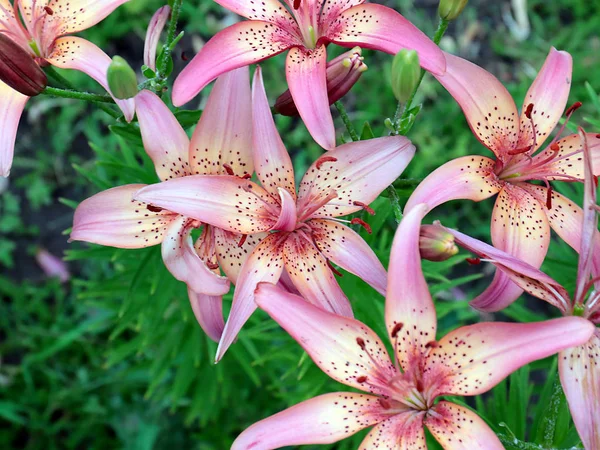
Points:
point(305, 230)
point(401, 394)
point(42, 29)
point(579, 366)
point(221, 144)
point(523, 213)
point(305, 28)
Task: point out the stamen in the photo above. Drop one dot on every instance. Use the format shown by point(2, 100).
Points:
point(555, 147)
point(323, 159)
point(549, 197)
point(247, 176)
point(432, 344)
point(361, 222)
point(184, 56)
point(473, 261)
point(361, 379)
point(574, 107)
point(334, 270)
point(297, 4)
point(361, 343)
point(519, 151)
point(385, 404)
point(397, 328)
point(228, 169)
point(152, 208)
point(364, 206)
point(242, 240)
point(48, 10)
point(212, 265)
point(528, 111)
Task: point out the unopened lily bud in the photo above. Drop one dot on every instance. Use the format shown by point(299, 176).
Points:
point(122, 80)
point(52, 266)
point(155, 28)
point(451, 9)
point(406, 73)
point(436, 244)
point(342, 73)
point(19, 70)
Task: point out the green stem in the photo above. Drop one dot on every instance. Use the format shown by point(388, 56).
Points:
point(395, 201)
point(85, 96)
point(175, 11)
point(342, 110)
point(407, 183)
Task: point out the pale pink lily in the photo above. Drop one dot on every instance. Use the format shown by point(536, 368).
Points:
point(523, 213)
point(579, 366)
point(41, 29)
point(402, 393)
point(306, 232)
point(221, 144)
point(305, 28)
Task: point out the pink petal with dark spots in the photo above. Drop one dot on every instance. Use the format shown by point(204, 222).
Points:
point(232, 250)
point(402, 431)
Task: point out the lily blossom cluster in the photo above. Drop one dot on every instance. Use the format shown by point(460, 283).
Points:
point(42, 29)
point(304, 229)
point(524, 212)
point(401, 393)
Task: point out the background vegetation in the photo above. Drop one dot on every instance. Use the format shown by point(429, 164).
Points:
point(114, 358)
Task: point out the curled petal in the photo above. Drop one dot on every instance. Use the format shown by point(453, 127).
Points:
point(113, 218)
point(155, 28)
point(236, 46)
point(402, 431)
point(458, 428)
point(208, 310)
point(222, 141)
point(473, 359)
point(344, 247)
point(12, 104)
point(345, 349)
point(288, 219)
point(164, 139)
point(324, 419)
point(488, 107)
point(309, 272)
point(381, 28)
point(233, 250)
point(78, 54)
point(352, 175)
point(469, 177)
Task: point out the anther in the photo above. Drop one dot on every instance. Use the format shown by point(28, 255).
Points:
point(598, 136)
point(555, 147)
point(48, 10)
point(528, 110)
point(574, 107)
point(323, 159)
point(396, 329)
point(519, 151)
point(242, 240)
point(297, 4)
point(247, 176)
point(431, 344)
point(184, 56)
point(420, 386)
point(212, 265)
point(549, 198)
point(361, 379)
point(364, 206)
point(384, 403)
point(361, 222)
point(473, 261)
point(334, 270)
point(361, 342)
point(228, 169)
point(155, 209)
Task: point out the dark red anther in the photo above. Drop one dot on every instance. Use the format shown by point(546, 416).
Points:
point(519, 151)
point(598, 136)
point(384, 403)
point(431, 344)
point(528, 110)
point(228, 169)
point(361, 379)
point(184, 56)
point(364, 206)
point(420, 387)
point(323, 159)
point(334, 270)
point(361, 222)
point(574, 107)
point(247, 176)
point(212, 265)
point(155, 209)
point(48, 10)
point(549, 198)
point(396, 329)
point(473, 261)
point(555, 147)
point(242, 240)
point(361, 342)
point(297, 4)
point(596, 181)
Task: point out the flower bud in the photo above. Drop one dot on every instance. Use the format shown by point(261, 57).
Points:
point(436, 244)
point(342, 73)
point(406, 73)
point(19, 70)
point(122, 80)
point(451, 9)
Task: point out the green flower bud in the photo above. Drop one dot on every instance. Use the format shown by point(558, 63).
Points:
point(122, 80)
point(406, 73)
point(19, 70)
point(436, 244)
point(451, 9)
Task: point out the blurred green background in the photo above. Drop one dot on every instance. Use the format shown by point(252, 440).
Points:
point(113, 358)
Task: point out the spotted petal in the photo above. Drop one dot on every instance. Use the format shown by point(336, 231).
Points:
point(345, 349)
point(233, 250)
point(113, 218)
point(402, 431)
point(381, 28)
point(568, 161)
point(473, 359)
point(330, 9)
point(267, 10)
point(459, 428)
point(208, 311)
point(12, 104)
point(324, 419)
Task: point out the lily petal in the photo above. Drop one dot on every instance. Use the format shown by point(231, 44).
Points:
point(223, 138)
point(164, 139)
point(272, 161)
point(381, 28)
point(239, 45)
point(224, 201)
point(458, 428)
point(402, 431)
point(324, 419)
point(208, 310)
point(113, 218)
point(356, 173)
point(267, 10)
point(309, 272)
point(468, 177)
point(548, 94)
point(78, 54)
point(344, 247)
point(265, 263)
point(155, 28)
point(473, 359)
point(409, 311)
point(233, 250)
point(330, 9)
point(490, 110)
point(12, 104)
point(579, 369)
point(306, 73)
point(344, 348)
point(183, 262)
point(288, 218)
point(520, 228)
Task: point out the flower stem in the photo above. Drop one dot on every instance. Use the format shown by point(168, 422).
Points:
point(342, 110)
point(85, 96)
point(395, 201)
point(164, 63)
